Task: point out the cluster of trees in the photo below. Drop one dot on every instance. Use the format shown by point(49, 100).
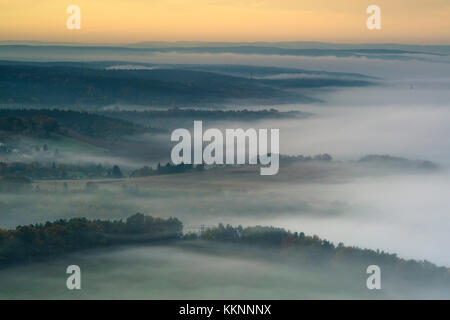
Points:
point(81, 85)
point(284, 159)
point(318, 251)
point(40, 241)
point(24, 173)
point(178, 114)
point(43, 122)
point(36, 126)
point(36, 170)
point(398, 162)
point(167, 169)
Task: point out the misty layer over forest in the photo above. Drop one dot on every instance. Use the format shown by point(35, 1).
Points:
point(46, 241)
point(364, 148)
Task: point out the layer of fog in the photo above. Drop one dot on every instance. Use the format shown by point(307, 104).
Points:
point(417, 132)
point(396, 210)
point(383, 68)
point(206, 272)
point(407, 115)
point(400, 212)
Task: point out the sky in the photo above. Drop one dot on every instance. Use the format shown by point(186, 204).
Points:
point(118, 21)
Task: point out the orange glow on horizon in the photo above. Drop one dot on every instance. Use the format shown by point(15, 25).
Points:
point(118, 21)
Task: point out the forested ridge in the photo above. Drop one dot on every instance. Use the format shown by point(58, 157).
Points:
point(43, 122)
point(46, 240)
point(83, 86)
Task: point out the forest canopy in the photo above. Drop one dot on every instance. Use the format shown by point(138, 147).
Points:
point(47, 240)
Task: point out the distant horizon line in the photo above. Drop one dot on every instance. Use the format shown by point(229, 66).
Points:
point(88, 43)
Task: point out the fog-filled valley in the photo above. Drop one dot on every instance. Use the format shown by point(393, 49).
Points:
point(206, 271)
point(364, 160)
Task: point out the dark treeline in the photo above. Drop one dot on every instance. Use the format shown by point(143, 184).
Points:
point(317, 251)
point(169, 168)
point(35, 170)
point(46, 240)
point(80, 85)
point(24, 173)
point(308, 82)
point(397, 162)
point(44, 122)
point(21, 172)
point(181, 168)
point(41, 241)
point(197, 114)
point(285, 159)
point(38, 125)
